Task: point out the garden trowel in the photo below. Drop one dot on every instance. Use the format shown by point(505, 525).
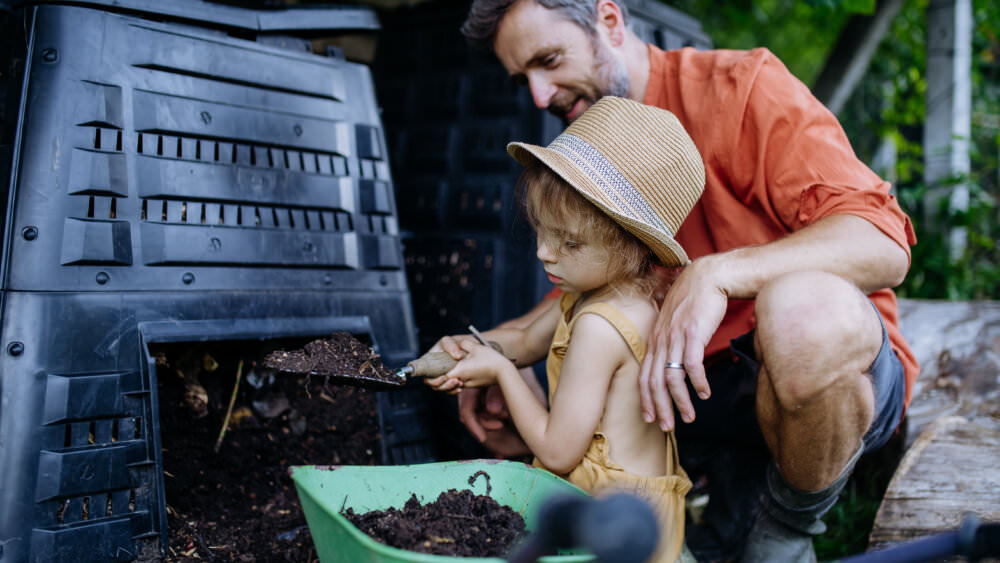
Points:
point(372, 376)
point(433, 364)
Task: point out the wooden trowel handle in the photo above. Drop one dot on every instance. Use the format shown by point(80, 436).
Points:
point(433, 364)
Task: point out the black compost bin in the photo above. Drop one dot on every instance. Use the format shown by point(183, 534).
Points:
point(179, 172)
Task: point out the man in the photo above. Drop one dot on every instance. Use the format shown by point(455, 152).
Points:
point(782, 326)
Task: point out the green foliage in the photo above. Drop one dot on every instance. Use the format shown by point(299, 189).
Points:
point(975, 274)
point(849, 522)
point(889, 104)
point(799, 33)
point(859, 6)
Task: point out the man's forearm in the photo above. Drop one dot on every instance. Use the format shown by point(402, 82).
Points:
point(526, 339)
point(845, 245)
point(526, 319)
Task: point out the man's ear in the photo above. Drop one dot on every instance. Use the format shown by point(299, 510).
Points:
point(611, 22)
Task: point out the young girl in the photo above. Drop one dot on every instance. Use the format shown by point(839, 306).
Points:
point(604, 199)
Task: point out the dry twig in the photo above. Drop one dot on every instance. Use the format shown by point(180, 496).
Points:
point(229, 411)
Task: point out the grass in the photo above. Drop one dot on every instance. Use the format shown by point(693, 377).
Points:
point(849, 523)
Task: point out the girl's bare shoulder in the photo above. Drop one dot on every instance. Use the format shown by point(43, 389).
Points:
point(640, 310)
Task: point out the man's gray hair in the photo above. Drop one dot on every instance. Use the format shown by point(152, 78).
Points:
point(480, 27)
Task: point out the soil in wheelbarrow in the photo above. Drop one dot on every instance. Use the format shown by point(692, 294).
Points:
point(239, 503)
point(458, 523)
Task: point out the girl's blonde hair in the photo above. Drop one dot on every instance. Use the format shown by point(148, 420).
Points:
point(549, 200)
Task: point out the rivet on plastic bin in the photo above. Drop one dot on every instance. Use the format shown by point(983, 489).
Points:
point(29, 233)
point(102, 278)
point(383, 280)
point(15, 348)
point(327, 280)
point(187, 278)
point(298, 130)
point(50, 55)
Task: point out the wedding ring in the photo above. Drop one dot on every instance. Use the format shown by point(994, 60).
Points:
point(673, 365)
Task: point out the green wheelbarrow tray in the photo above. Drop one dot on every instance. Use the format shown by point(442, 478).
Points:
point(325, 491)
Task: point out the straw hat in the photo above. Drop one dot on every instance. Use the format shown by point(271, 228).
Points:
point(635, 162)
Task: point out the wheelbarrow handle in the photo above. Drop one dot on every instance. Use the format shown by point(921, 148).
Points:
point(972, 540)
point(618, 528)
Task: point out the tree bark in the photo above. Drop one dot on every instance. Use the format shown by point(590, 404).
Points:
point(849, 58)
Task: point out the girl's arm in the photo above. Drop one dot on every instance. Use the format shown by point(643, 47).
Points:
point(525, 346)
point(531, 343)
point(559, 439)
point(522, 338)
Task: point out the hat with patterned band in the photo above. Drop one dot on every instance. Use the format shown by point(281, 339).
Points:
point(635, 162)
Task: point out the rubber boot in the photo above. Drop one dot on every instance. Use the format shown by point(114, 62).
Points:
point(789, 518)
point(733, 502)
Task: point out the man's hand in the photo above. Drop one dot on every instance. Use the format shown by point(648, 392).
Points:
point(691, 313)
point(484, 412)
point(479, 413)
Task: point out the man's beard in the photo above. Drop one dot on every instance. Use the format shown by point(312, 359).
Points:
point(611, 73)
point(612, 80)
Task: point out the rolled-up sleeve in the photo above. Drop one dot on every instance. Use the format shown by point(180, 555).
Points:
point(804, 167)
point(875, 206)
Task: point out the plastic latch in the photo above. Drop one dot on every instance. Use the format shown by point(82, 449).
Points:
point(335, 52)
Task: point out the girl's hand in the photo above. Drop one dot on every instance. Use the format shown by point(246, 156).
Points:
point(480, 367)
point(444, 384)
point(451, 345)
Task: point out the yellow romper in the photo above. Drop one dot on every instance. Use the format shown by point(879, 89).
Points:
point(597, 472)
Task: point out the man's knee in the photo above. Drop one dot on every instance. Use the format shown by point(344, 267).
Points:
point(814, 330)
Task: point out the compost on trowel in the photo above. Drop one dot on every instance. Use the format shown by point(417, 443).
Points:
point(339, 359)
point(343, 360)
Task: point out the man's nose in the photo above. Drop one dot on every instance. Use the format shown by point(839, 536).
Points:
point(542, 90)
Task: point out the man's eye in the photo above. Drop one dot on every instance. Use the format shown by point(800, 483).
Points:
point(571, 244)
point(550, 61)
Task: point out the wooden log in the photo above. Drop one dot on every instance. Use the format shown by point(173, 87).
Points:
point(952, 468)
point(958, 346)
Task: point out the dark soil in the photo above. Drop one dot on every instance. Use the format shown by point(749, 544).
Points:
point(341, 356)
point(458, 523)
point(232, 499)
point(240, 504)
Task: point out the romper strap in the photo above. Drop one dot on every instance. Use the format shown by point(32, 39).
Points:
point(622, 324)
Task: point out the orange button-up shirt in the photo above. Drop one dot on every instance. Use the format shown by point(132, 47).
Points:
point(776, 160)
